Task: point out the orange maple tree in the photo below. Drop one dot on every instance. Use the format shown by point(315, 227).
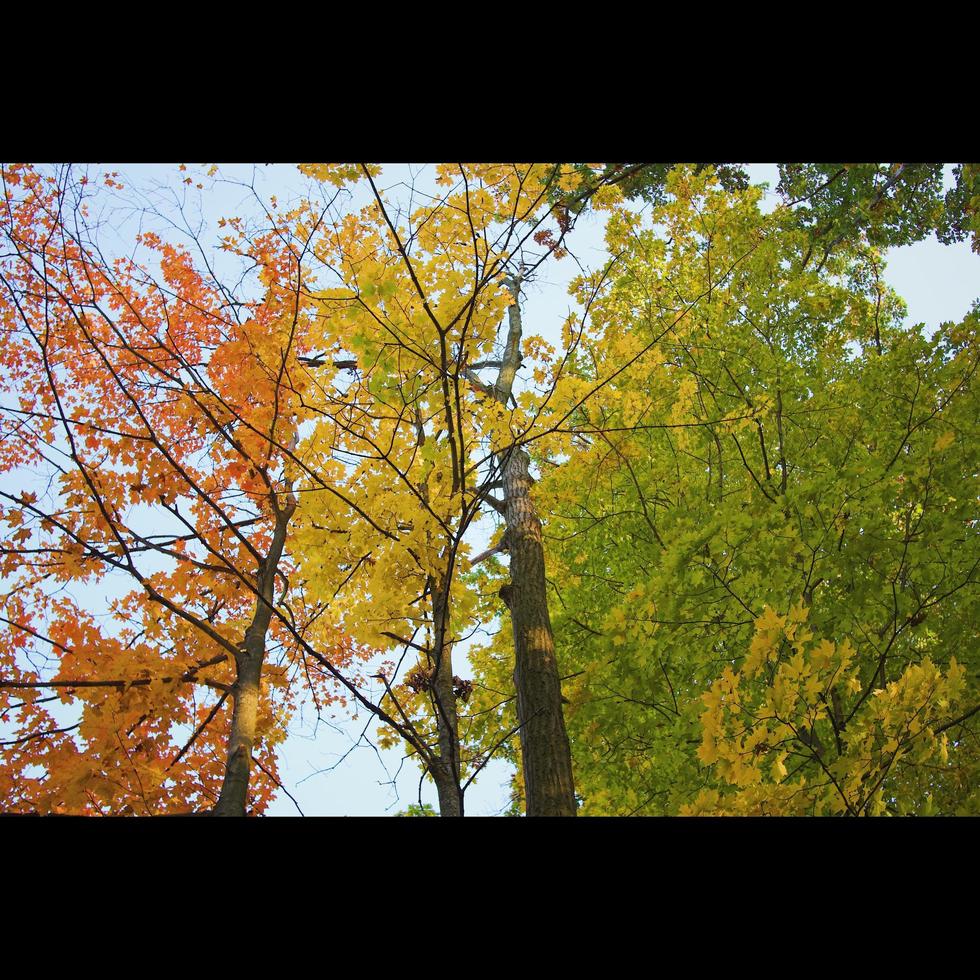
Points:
point(148, 423)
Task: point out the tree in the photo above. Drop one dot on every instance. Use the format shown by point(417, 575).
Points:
point(764, 550)
point(420, 306)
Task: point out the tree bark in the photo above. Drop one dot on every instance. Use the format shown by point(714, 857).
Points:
point(234, 788)
point(547, 758)
point(233, 798)
point(446, 772)
point(445, 768)
point(545, 751)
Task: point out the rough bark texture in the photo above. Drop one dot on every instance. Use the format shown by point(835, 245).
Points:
point(446, 772)
point(548, 784)
point(545, 751)
point(234, 788)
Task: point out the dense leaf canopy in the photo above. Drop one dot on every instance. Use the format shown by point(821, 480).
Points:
point(749, 549)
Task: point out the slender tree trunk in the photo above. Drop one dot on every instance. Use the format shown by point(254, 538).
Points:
point(234, 788)
point(545, 751)
point(445, 769)
point(446, 772)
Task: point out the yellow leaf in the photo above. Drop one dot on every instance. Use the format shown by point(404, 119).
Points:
point(769, 620)
point(955, 679)
point(708, 750)
point(943, 442)
point(799, 612)
point(758, 650)
point(847, 653)
point(821, 654)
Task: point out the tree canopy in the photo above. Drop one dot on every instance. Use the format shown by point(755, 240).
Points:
point(706, 546)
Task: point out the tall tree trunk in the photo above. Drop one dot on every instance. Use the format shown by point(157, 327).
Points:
point(444, 769)
point(548, 785)
point(545, 751)
point(446, 772)
point(234, 788)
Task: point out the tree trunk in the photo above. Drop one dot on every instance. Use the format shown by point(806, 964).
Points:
point(234, 788)
point(547, 758)
point(446, 772)
point(548, 784)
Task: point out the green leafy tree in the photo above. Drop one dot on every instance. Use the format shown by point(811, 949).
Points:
point(763, 526)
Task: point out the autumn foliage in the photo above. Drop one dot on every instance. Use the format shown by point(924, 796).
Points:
point(720, 521)
point(154, 416)
point(764, 539)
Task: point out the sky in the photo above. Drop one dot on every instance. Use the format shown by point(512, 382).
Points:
point(330, 769)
